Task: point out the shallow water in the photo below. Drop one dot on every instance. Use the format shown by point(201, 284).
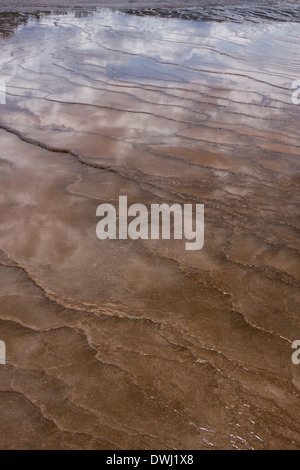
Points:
point(142, 344)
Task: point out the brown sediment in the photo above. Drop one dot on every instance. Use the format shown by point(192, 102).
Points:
point(123, 344)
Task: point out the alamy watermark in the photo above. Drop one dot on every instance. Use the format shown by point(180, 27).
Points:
point(2, 92)
point(188, 222)
point(2, 353)
point(296, 354)
point(296, 93)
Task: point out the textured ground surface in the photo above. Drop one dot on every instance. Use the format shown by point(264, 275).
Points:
point(141, 344)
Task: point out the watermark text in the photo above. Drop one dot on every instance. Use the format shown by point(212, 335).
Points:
point(187, 222)
point(296, 354)
point(2, 92)
point(296, 93)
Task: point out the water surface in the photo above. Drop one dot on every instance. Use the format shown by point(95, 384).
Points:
point(142, 344)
